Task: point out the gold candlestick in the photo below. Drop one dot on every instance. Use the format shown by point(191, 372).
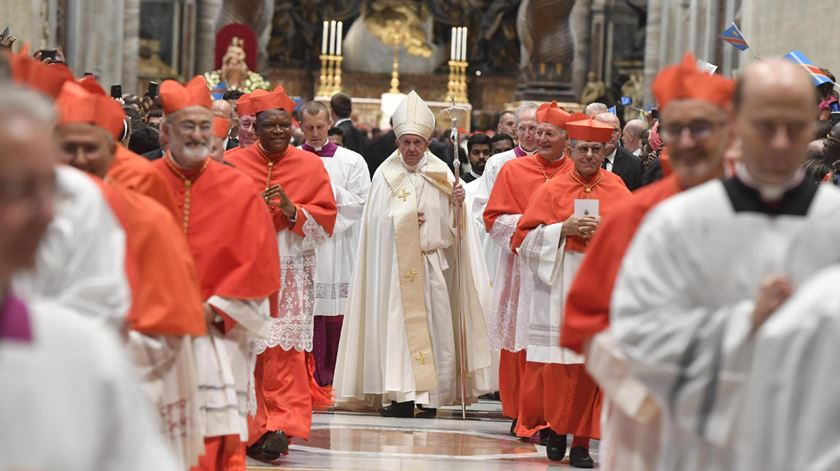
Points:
point(452, 85)
point(395, 71)
point(462, 82)
point(322, 84)
point(337, 75)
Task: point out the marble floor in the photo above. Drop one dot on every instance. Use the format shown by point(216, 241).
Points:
point(363, 441)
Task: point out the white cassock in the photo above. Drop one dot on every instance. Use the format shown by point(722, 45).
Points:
point(792, 415)
point(71, 400)
point(335, 258)
point(543, 292)
point(683, 302)
point(374, 353)
point(490, 261)
point(481, 193)
point(80, 262)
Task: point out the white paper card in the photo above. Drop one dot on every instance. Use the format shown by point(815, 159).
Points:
point(586, 207)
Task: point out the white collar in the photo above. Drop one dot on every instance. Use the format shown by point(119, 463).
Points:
point(768, 192)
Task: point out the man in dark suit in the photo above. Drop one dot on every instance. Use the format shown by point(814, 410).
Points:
point(619, 161)
point(342, 108)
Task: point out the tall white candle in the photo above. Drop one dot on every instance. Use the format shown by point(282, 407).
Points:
point(457, 43)
point(325, 37)
point(332, 37)
point(464, 45)
point(452, 45)
point(338, 38)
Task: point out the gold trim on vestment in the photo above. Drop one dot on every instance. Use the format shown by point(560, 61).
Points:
point(410, 264)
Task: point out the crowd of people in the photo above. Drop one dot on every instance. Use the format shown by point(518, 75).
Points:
point(183, 280)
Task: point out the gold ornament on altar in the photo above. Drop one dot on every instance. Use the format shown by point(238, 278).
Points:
point(398, 25)
point(593, 90)
point(234, 73)
point(331, 58)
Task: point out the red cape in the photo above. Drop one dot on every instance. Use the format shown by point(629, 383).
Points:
point(166, 299)
point(517, 181)
point(588, 304)
point(230, 232)
point(132, 171)
point(555, 202)
point(302, 176)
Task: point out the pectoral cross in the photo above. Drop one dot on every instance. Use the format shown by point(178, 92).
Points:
point(420, 357)
point(403, 195)
point(411, 275)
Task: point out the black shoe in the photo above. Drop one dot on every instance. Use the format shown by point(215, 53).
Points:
point(269, 447)
point(402, 410)
point(579, 458)
point(555, 446)
point(426, 412)
point(513, 428)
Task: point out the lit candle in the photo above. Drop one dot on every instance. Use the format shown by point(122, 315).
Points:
point(457, 43)
point(464, 45)
point(452, 45)
point(332, 37)
point(338, 39)
point(324, 37)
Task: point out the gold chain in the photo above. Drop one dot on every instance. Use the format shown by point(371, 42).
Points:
point(542, 169)
point(187, 188)
point(587, 189)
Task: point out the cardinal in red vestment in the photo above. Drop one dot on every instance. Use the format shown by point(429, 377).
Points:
point(296, 189)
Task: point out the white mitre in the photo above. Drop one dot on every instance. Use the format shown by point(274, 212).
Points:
point(413, 116)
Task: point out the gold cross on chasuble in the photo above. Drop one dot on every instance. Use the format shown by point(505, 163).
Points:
point(411, 275)
point(403, 195)
point(420, 357)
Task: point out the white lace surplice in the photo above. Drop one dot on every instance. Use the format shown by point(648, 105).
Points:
point(292, 328)
point(508, 327)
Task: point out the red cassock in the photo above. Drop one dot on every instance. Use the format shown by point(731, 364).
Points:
point(229, 232)
point(515, 183)
point(132, 171)
point(587, 309)
point(564, 395)
point(166, 299)
point(283, 380)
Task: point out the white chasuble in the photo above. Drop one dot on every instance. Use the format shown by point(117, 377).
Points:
point(551, 270)
point(80, 262)
point(336, 257)
point(792, 413)
point(404, 278)
point(683, 303)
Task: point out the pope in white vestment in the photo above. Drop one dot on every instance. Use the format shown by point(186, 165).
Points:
point(400, 334)
point(682, 309)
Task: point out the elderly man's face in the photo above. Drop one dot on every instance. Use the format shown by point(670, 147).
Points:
point(612, 120)
point(86, 147)
point(189, 133)
point(775, 120)
point(526, 130)
point(588, 157)
point(551, 141)
point(694, 133)
point(27, 189)
point(412, 148)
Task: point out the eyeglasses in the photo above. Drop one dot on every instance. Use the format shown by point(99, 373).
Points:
point(699, 130)
point(188, 127)
point(584, 149)
point(527, 130)
point(831, 138)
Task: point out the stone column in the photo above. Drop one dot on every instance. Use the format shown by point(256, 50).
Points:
point(131, 45)
point(205, 37)
point(95, 29)
point(28, 20)
point(653, 37)
point(547, 50)
point(582, 32)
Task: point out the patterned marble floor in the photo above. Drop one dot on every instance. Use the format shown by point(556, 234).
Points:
point(356, 441)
